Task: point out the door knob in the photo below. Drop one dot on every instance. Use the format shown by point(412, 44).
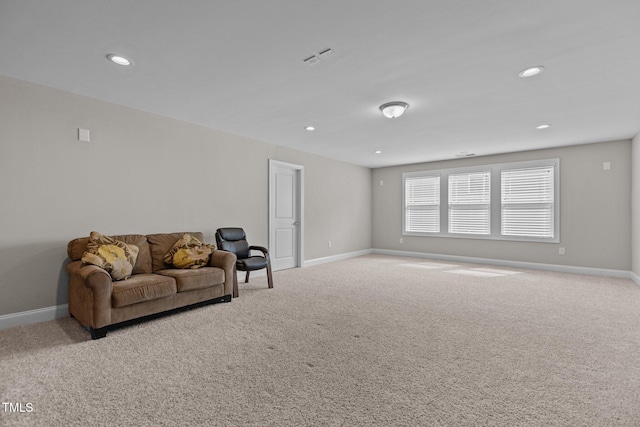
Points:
point(296, 223)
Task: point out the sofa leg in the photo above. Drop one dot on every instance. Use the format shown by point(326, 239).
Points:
point(226, 298)
point(98, 333)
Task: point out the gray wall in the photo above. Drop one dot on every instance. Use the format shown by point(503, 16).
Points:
point(635, 200)
point(595, 210)
point(142, 173)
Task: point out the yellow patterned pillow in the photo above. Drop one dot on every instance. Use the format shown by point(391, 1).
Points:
point(189, 252)
point(117, 257)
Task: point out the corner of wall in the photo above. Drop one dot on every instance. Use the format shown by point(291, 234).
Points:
point(635, 205)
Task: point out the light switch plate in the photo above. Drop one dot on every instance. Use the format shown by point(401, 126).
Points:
point(83, 135)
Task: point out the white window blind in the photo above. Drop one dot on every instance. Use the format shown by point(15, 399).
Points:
point(528, 202)
point(422, 204)
point(470, 202)
point(517, 201)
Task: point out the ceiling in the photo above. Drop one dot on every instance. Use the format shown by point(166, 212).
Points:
point(238, 66)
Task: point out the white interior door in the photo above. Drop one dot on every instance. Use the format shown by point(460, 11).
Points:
point(285, 214)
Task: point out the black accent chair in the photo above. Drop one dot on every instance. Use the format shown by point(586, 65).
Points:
point(234, 239)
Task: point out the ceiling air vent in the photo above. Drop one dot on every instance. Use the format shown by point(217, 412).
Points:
point(312, 60)
point(325, 53)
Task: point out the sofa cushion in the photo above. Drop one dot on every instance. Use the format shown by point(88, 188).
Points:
point(160, 244)
point(189, 279)
point(140, 288)
point(189, 252)
point(115, 256)
point(77, 247)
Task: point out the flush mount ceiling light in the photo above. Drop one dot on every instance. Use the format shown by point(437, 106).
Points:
point(544, 126)
point(310, 128)
point(393, 110)
point(119, 59)
point(377, 152)
point(531, 71)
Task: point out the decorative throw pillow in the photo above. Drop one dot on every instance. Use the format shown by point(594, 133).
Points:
point(189, 252)
point(116, 257)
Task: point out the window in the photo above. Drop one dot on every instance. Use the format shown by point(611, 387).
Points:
point(527, 202)
point(509, 201)
point(470, 202)
point(422, 204)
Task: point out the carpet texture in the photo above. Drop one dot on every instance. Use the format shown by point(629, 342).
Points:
point(370, 341)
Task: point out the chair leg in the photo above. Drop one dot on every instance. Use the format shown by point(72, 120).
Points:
point(269, 276)
point(235, 283)
point(246, 278)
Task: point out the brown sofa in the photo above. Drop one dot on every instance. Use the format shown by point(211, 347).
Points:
point(154, 287)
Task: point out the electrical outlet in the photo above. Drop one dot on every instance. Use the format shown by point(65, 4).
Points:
point(401, 240)
point(561, 251)
point(329, 243)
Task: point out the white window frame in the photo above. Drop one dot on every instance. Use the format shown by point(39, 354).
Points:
point(527, 194)
point(468, 205)
point(496, 200)
point(426, 206)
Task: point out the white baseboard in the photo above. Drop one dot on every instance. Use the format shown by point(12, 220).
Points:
point(633, 276)
point(621, 274)
point(33, 316)
point(332, 258)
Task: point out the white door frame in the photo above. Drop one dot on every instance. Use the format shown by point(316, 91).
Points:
point(299, 176)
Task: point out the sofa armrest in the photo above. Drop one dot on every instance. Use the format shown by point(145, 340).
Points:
point(85, 273)
point(226, 261)
point(90, 289)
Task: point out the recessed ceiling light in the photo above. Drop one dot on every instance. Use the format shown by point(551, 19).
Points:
point(531, 71)
point(310, 128)
point(377, 152)
point(118, 59)
point(544, 126)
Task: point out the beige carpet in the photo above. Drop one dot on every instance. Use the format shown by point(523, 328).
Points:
point(370, 341)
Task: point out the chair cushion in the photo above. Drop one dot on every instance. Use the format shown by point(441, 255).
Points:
point(233, 239)
point(232, 233)
point(140, 288)
point(189, 279)
point(251, 263)
point(239, 247)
